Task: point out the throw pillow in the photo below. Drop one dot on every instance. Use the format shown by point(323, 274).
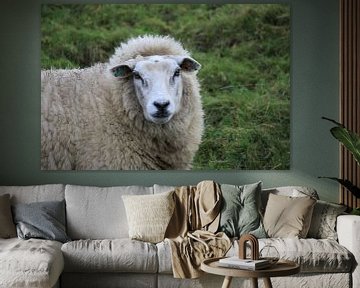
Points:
point(149, 215)
point(7, 226)
point(240, 213)
point(323, 222)
point(44, 220)
point(288, 217)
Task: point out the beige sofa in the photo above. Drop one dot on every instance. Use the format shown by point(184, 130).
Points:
point(101, 254)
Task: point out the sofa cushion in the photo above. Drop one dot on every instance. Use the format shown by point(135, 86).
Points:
point(287, 216)
point(43, 220)
point(313, 255)
point(98, 213)
point(37, 193)
point(116, 255)
point(240, 210)
point(323, 222)
point(148, 215)
point(30, 263)
point(7, 226)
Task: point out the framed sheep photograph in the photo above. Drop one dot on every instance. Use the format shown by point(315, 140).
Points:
point(165, 87)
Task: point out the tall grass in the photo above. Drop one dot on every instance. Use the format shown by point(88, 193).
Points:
point(245, 54)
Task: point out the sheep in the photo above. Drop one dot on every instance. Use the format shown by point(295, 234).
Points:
point(142, 110)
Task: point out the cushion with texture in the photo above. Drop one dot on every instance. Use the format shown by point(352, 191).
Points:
point(43, 220)
point(7, 226)
point(240, 213)
point(288, 216)
point(31, 263)
point(323, 222)
point(110, 255)
point(149, 215)
point(98, 212)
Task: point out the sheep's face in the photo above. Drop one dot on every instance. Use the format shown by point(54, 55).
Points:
point(158, 83)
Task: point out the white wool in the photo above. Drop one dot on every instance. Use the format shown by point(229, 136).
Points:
point(91, 120)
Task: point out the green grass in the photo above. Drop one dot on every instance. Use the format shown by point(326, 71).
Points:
point(244, 51)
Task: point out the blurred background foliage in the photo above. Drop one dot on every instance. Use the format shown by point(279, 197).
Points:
point(244, 50)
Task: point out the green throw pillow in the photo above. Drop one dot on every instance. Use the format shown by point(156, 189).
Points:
point(240, 213)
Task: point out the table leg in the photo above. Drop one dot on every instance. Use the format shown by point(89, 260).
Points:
point(267, 283)
point(254, 282)
point(227, 282)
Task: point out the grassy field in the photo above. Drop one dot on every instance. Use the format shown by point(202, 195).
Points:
point(244, 51)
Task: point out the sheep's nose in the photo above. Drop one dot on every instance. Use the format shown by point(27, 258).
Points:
point(161, 105)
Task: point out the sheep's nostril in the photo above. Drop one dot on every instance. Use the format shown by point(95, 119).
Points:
point(161, 105)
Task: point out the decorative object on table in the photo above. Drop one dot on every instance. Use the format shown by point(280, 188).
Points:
point(351, 141)
point(241, 261)
point(254, 246)
point(269, 253)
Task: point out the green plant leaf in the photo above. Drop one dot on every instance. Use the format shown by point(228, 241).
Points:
point(348, 138)
point(348, 185)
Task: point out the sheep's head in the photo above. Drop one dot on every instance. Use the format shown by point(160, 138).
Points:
point(158, 83)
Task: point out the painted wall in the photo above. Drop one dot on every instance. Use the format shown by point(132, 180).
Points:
point(314, 92)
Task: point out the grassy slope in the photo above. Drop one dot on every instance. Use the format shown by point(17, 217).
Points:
point(244, 50)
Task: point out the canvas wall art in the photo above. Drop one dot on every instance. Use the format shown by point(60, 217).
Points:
point(165, 87)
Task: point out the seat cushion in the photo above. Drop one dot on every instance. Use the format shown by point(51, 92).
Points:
point(116, 255)
point(98, 213)
point(30, 263)
point(313, 255)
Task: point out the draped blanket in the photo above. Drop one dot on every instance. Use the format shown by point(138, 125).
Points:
point(191, 232)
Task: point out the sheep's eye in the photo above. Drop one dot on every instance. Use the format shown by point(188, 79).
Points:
point(177, 73)
point(137, 76)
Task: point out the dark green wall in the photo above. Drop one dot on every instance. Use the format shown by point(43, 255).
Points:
point(314, 91)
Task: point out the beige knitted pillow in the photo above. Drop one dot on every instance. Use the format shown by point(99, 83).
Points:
point(148, 215)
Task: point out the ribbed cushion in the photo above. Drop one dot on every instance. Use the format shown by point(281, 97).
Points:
point(98, 213)
point(117, 255)
point(30, 263)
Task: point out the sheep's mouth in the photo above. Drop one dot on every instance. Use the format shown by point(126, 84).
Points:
point(161, 117)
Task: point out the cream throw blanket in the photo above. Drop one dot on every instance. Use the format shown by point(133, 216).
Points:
point(191, 230)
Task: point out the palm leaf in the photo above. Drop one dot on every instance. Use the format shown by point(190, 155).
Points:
point(348, 185)
point(348, 138)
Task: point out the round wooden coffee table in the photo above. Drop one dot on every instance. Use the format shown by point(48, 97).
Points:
point(281, 268)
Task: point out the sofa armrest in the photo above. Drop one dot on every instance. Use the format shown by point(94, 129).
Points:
point(348, 230)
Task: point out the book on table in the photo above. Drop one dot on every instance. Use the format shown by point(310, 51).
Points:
point(249, 264)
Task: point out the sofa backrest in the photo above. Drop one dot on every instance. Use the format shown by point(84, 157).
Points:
point(36, 193)
point(98, 212)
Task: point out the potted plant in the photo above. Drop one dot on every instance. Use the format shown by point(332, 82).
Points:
point(351, 141)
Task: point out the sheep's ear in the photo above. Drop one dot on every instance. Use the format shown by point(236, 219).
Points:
point(188, 64)
point(121, 71)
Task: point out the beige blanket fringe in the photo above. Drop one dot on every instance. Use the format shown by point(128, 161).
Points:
point(191, 231)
